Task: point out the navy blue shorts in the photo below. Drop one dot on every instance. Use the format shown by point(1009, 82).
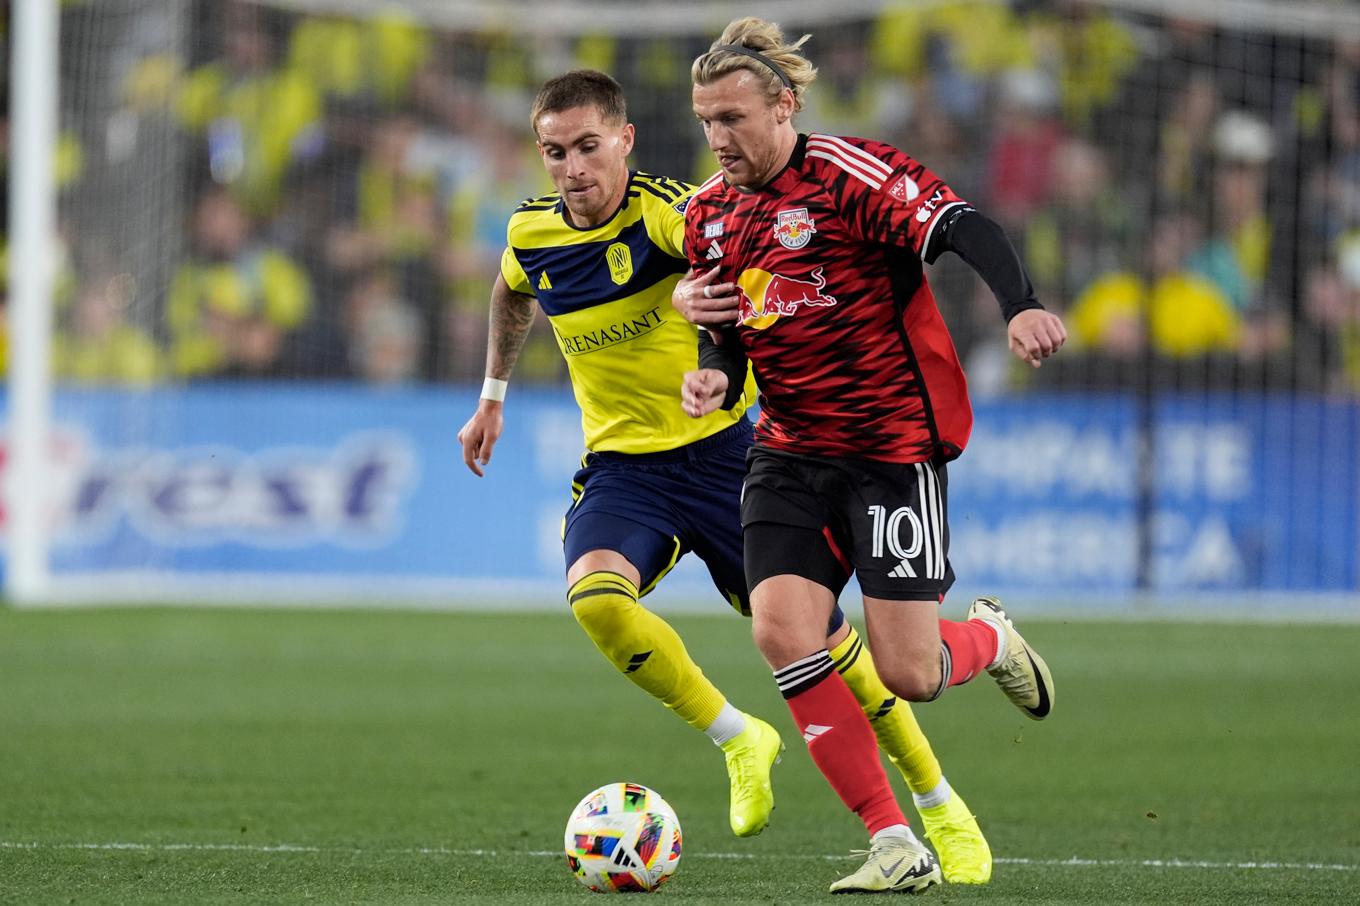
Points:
point(653, 508)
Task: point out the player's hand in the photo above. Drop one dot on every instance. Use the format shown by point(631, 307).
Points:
point(480, 434)
point(702, 301)
point(702, 391)
point(1035, 335)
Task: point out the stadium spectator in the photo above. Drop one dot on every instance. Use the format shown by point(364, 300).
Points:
point(94, 341)
point(390, 216)
point(393, 215)
point(1028, 135)
point(1241, 253)
point(819, 242)
point(857, 98)
point(384, 331)
point(253, 118)
point(374, 59)
point(1082, 230)
point(1172, 95)
point(1186, 313)
point(235, 303)
point(1330, 342)
point(1329, 337)
point(1088, 50)
point(1333, 151)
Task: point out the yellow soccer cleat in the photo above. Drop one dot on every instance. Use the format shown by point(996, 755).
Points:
point(750, 756)
point(1022, 674)
point(965, 857)
point(894, 863)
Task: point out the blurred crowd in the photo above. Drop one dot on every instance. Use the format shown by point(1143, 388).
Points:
point(248, 191)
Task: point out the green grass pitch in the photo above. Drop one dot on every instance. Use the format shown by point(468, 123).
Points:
point(254, 756)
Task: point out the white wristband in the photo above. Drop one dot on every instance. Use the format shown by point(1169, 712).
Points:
point(494, 390)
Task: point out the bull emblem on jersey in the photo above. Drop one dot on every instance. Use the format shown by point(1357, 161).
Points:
point(794, 228)
point(766, 297)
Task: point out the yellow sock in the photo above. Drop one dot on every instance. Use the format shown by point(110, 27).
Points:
point(644, 647)
point(899, 735)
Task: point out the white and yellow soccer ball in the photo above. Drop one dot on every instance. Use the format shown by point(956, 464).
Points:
point(623, 838)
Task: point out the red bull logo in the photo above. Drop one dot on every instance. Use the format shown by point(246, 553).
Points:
point(794, 228)
point(766, 297)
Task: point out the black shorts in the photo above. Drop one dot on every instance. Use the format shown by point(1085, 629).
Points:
point(886, 522)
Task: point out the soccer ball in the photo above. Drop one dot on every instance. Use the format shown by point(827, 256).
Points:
point(623, 838)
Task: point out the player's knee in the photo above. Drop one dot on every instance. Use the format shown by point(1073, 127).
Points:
point(911, 681)
point(782, 642)
point(600, 600)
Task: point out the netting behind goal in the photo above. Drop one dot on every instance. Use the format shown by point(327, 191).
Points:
point(280, 223)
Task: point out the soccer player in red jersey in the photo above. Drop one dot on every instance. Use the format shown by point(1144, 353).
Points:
point(806, 255)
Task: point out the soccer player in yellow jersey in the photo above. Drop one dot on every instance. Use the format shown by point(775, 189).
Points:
point(601, 256)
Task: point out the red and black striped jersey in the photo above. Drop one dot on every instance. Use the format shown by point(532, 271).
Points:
point(851, 354)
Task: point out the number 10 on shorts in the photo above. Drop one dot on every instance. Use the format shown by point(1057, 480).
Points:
point(887, 531)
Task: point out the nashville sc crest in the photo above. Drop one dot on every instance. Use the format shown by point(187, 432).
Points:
point(794, 228)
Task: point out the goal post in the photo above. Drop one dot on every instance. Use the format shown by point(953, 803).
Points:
point(32, 267)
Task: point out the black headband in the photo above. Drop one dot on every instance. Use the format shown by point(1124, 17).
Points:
point(756, 55)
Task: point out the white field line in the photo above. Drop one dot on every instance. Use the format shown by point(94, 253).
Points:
point(1073, 862)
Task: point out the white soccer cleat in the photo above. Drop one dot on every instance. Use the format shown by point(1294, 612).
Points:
point(1021, 673)
point(893, 864)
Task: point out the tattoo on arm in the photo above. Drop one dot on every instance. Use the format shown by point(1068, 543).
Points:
point(512, 314)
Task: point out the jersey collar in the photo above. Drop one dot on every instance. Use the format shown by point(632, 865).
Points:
point(791, 172)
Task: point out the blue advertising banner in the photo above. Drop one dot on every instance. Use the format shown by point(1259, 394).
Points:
point(274, 489)
point(1248, 494)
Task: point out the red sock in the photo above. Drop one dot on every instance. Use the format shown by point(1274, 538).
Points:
point(840, 740)
point(970, 645)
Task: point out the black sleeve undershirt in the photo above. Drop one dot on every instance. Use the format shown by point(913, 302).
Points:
point(729, 358)
point(981, 242)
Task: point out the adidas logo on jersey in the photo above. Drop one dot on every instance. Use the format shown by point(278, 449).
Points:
point(714, 252)
point(544, 282)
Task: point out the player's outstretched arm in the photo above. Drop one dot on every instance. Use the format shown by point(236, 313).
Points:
point(512, 314)
point(1034, 334)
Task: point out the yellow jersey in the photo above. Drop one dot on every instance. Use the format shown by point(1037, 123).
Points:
point(607, 292)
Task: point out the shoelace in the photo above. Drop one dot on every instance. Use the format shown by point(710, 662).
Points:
point(1013, 681)
point(873, 850)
